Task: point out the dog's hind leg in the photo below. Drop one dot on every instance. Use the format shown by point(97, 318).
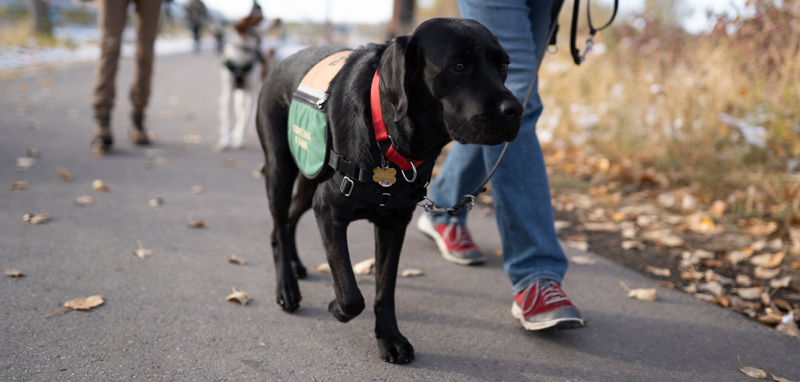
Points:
point(394, 347)
point(301, 202)
point(243, 103)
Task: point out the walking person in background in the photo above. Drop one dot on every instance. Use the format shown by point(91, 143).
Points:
point(532, 255)
point(197, 14)
point(111, 19)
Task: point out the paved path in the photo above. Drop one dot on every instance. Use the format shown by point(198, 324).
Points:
point(166, 318)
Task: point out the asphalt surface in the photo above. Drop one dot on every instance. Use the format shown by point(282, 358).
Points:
point(165, 317)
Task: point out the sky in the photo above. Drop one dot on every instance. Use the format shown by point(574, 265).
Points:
point(375, 11)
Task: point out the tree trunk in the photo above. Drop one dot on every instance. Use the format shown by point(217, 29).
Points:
point(39, 11)
point(402, 18)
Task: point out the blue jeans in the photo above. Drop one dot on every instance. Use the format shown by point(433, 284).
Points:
point(520, 188)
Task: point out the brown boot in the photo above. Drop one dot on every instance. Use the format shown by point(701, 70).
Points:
point(138, 132)
point(102, 140)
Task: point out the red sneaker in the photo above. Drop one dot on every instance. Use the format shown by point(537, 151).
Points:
point(543, 305)
point(453, 240)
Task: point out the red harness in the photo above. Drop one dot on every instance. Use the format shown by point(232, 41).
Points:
point(381, 134)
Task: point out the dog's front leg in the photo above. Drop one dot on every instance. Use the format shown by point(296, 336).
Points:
point(394, 347)
point(224, 111)
point(332, 223)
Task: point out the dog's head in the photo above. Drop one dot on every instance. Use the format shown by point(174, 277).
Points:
point(455, 69)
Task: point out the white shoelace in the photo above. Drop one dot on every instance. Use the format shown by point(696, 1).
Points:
point(547, 289)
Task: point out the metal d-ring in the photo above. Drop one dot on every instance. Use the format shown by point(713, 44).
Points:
point(414, 177)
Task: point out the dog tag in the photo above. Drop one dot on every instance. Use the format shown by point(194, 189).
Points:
point(384, 176)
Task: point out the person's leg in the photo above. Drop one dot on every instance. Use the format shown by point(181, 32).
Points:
point(146, 21)
point(111, 20)
point(147, 15)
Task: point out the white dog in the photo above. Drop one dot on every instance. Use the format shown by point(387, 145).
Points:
point(243, 64)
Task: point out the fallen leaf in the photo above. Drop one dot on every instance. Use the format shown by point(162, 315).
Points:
point(561, 224)
point(751, 371)
point(65, 174)
point(778, 379)
point(601, 227)
point(717, 209)
point(84, 303)
point(701, 224)
point(713, 287)
point(411, 272)
point(235, 260)
point(751, 293)
point(19, 185)
point(498, 251)
point(155, 202)
point(796, 264)
point(632, 244)
point(744, 280)
point(197, 189)
point(581, 245)
point(25, 163)
point(239, 296)
point(98, 185)
point(364, 267)
point(768, 260)
point(40, 218)
point(764, 273)
point(33, 153)
point(782, 282)
point(788, 326)
point(649, 294)
point(13, 272)
point(692, 275)
point(663, 237)
point(582, 260)
point(141, 252)
point(194, 223)
point(770, 319)
point(736, 257)
point(323, 268)
point(663, 272)
point(84, 200)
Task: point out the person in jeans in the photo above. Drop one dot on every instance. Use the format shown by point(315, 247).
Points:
point(111, 19)
point(532, 256)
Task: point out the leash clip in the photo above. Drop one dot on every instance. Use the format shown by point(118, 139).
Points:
point(589, 45)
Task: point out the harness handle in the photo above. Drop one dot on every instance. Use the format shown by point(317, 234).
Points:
point(577, 56)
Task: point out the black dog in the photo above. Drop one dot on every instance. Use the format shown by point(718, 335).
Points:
point(443, 82)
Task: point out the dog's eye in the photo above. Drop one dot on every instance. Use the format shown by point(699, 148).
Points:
point(460, 67)
point(503, 67)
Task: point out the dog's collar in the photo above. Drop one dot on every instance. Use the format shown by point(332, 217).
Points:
point(381, 134)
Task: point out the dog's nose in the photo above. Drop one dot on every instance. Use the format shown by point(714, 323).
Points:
point(511, 108)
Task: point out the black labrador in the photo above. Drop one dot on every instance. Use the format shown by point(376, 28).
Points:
point(443, 82)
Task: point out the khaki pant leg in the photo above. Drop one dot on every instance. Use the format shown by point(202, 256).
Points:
point(147, 15)
point(111, 20)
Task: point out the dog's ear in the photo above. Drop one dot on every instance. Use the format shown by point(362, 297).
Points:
point(398, 68)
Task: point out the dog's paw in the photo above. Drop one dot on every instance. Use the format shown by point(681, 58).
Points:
point(288, 295)
point(396, 349)
point(346, 314)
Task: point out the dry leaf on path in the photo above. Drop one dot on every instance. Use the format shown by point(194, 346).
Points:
point(364, 267)
point(411, 272)
point(155, 202)
point(141, 252)
point(736, 257)
point(83, 303)
point(65, 174)
point(751, 293)
point(19, 185)
point(782, 282)
point(98, 185)
point(632, 244)
point(197, 189)
point(33, 153)
point(25, 163)
point(751, 371)
point(582, 260)
point(235, 260)
point(40, 218)
point(194, 223)
point(744, 280)
point(640, 294)
point(13, 272)
point(239, 296)
point(601, 227)
point(663, 237)
point(323, 268)
point(778, 379)
point(84, 200)
point(580, 245)
point(764, 273)
point(663, 272)
point(768, 260)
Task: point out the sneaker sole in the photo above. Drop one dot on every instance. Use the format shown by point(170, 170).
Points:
point(425, 226)
point(556, 323)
